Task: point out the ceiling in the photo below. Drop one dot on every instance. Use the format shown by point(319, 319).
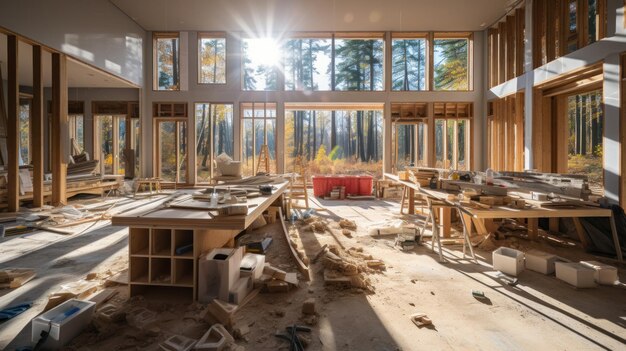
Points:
point(79, 75)
point(278, 16)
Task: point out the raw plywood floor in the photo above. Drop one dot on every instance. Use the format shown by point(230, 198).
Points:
point(539, 313)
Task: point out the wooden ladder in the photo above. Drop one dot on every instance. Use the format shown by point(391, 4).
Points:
point(264, 160)
point(298, 187)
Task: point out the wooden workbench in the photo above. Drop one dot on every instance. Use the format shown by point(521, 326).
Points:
point(156, 231)
point(482, 218)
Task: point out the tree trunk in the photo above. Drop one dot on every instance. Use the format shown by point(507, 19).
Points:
point(333, 128)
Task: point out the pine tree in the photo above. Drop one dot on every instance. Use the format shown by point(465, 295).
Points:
point(451, 64)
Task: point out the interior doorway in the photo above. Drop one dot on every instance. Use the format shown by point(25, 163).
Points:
point(110, 143)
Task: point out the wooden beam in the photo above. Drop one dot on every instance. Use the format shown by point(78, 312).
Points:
point(13, 125)
point(520, 24)
point(59, 129)
point(37, 127)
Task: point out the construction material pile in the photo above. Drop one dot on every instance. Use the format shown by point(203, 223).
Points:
point(349, 268)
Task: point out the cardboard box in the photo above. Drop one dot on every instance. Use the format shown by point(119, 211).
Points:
point(217, 273)
point(604, 274)
point(576, 274)
point(508, 261)
point(64, 322)
point(540, 261)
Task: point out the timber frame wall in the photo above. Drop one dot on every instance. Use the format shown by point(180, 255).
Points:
point(505, 45)
point(505, 133)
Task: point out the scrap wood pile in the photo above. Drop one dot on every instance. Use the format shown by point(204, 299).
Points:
point(349, 268)
point(15, 277)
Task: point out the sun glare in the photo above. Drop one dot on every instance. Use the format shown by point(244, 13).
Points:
point(264, 51)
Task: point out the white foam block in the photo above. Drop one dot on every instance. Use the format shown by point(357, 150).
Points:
point(604, 274)
point(508, 261)
point(64, 322)
point(252, 265)
point(575, 273)
point(540, 261)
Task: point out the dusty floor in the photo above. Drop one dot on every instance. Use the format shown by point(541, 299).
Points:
point(540, 312)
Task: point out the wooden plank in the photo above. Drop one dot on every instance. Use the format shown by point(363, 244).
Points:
point(13, 125)
point(480, 226)
point(510, 47)
point(302, 267)
point(553, 224)
point(520, 24)
point(59, 129)
point(446, 221)
point(501, 52)
point(519, 132)
point(37, 129)
point(582, 233)
point(411, 201)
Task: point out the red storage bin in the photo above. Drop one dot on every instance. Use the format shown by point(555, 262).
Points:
point(365, 185)
point(320, 186)
point(355, 185)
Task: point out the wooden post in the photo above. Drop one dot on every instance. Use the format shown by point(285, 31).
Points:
point(37, 127)
point(59, 129)
point(13, 126)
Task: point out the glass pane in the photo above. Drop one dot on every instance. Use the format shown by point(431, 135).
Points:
point(167, 151)
point(591, 20)
point(573, 9)
point(408, 70)
point(182, 152)
point(105, 131)
point(203, 143)
point(260, 64)
point(136, 142)
point(462, 144)
point(121, 137)
point(212, 60)
point(585, 138)
point(24, 127)
point(451, 64)
point(247, 148)
point(223, 132)
point(406, 146)
point(270, 127)
point(167, 63)
point(359, 64)
point(439, 138)
point(421, 145)
point(307, 64)
point(80, 131)
point(450, 161)
point(259, 140)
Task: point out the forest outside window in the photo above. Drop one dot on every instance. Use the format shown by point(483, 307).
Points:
point(307, 63)
point(451, 63)
point(24, 127)
point(334, 139)
point(358, 62)
point(452, 144)
point(166, 61)
point(261, 64)
point(212, 58)
point(214, 136)
point(408, 62)
point(259, 128)
point(77, 131)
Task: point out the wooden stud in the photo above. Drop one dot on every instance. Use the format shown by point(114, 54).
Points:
point(59, 129)
point(533, 228)
point(510, 47)
point(37, 130)
point(501, 52)
point(13, 125)
point(520, 24)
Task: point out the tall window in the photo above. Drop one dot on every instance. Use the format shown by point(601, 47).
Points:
point(77, 131)
point(259, 129)
point(408, 63)
point(166, 61)
point(451, 63)
point(334, 140)
point(359, 63)
point(214, 136)
point(585, 134)
point(261, 63)
point(307, 63)
point(211, 59)
point(24, 126)
point(452, 144)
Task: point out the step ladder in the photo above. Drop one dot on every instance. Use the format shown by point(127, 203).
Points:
point(298, 187)
point(263, 164)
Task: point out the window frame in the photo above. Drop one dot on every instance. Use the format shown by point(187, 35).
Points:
point(253, 118)
point(313, 36)
point(155, 66)
point(211, 136)
point(408, 36)
point(469, 36)
point(358, 36)
point(212, 35)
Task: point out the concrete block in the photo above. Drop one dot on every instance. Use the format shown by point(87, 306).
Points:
point(64, 323)
point(177, 343)
point(252, 265)
point(240, 290)
point(508, 261)
point(605, 274)
point(215, 339)
point(217, 273)
point(576, 274)
point(540, 261)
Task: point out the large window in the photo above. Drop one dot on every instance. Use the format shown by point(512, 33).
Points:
point(307, 64)
point(408, 63)
point(585, 125)
point(260, 63)
point(259, 130)
point(211, 59)
point(452, 144)
point(77, 132)
point(334, 140)
point(172, 150)
point(109, 143)
point(359, 63)
point(24, 127)
point(166, 61)
point(451, 63)
point(214, 136)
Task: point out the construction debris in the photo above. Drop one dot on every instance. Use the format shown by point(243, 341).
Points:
point(421, 320)
point(347, 224)
point(308, 307)
point(12, 278)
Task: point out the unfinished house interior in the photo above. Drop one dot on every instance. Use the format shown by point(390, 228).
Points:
point(312, 175)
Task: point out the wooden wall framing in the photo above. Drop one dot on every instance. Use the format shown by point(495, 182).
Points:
point(59, 129)
point(505, 48)
point(505, 133)
point(13, 132)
